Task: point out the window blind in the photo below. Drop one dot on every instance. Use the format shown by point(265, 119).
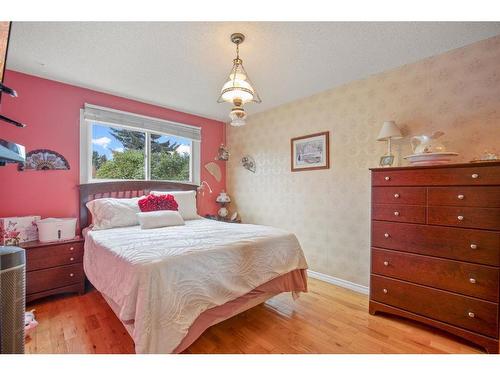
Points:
point(112, 116)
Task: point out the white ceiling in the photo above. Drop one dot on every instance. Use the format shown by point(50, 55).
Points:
point(182, 65)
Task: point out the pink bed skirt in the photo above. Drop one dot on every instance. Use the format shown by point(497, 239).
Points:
point(294, 281)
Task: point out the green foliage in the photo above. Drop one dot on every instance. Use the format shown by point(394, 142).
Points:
point(169, 166)
point(124, 165)
point(130, 165)
point(98, 160)
point(166, 162)
point(133, 140)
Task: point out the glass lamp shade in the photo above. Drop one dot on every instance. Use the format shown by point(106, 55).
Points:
point(238, 116)
point(235, 89)
point(238, 88)
point(238, 122)
point(223, 197)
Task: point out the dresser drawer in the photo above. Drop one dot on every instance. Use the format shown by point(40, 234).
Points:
point(397, 212)
point(479, 196)
point(51, 278)
point(437, 176)
point(53, 255)
point(460, 277)
point(466, 312)
point(466, 217)
point(477, 246)
point(399, 195)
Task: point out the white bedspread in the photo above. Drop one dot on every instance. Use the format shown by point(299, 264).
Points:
point(164, 278)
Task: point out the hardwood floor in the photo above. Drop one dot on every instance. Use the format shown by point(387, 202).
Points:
point(328, 319)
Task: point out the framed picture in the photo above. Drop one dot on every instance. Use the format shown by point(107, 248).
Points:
point(386, 161)
point(311, 152)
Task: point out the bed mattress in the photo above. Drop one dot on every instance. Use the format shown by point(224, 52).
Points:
point(163, 279)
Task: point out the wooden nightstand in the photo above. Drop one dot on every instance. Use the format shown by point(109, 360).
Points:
point(218, 218)
point(53, 268)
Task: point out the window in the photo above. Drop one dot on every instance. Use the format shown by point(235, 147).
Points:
point(118, 145)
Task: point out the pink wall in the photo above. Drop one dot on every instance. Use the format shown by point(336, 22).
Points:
point(51, 111)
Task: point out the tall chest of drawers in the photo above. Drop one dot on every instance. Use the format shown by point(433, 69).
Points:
point(435, 247)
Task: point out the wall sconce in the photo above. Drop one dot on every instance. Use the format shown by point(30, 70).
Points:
point(222, 153)
point(201, 188)
point(248, 163)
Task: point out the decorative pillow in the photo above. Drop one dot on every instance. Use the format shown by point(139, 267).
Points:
point(158, 202)
point(157, 219)
point(114, 212)
point(186, 201)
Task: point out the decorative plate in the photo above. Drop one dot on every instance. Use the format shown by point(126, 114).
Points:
point(431, 158)
point(44, 160)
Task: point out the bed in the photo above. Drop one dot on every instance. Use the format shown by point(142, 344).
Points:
point(168, 285)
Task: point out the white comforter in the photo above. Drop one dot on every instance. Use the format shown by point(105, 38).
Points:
point(164, 278)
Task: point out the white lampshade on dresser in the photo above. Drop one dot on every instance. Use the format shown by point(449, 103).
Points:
point(389, 131)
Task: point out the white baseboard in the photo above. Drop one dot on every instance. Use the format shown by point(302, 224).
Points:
point(339, 282)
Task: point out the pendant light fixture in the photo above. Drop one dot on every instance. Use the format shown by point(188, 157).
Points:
point(238, 90)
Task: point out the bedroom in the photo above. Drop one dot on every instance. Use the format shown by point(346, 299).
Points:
point(218, 187)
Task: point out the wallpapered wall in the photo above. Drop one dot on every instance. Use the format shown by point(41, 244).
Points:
point(457, 92)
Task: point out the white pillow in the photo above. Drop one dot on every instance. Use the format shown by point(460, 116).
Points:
point(114, 212)
point(157, 219)
point(186, 201)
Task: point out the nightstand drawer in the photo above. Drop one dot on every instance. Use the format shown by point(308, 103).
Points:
point(53, 255)
point(465, 278)
point(52, 278)
point(466, 312)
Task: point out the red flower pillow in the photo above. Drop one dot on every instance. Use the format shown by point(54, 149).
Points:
point(158, 202)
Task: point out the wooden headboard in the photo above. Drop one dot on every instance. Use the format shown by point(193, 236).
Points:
point(122, 189)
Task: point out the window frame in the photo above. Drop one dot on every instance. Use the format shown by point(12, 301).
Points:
point(86, 151)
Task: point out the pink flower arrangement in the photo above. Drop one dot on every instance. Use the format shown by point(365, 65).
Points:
point(158, 202)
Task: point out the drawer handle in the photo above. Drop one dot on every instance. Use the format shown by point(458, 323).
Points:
point(396, 195)
point(460, 217)
point(473, 246)
point(71, 259)
point(385, 291)
point(471, 314)
point(475, 175)
point(386, 263)
point(387, 235)
point(387, 178)
point(72, 248)
point(472, 280)
point(396, 213)
point(71, 275)
point(460, 196)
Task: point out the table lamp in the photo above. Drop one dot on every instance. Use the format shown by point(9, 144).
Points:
point(389, 131)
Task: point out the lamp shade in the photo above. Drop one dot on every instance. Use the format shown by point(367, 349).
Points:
point(389, 130)
point(223, 197)
point(238, 88)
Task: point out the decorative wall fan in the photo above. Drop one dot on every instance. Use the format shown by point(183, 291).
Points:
point(44, 160)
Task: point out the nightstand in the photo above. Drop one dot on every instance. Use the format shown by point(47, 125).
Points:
point(53, 268)
point(218, 218)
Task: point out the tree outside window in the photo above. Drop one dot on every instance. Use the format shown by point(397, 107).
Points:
point(119, 153)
